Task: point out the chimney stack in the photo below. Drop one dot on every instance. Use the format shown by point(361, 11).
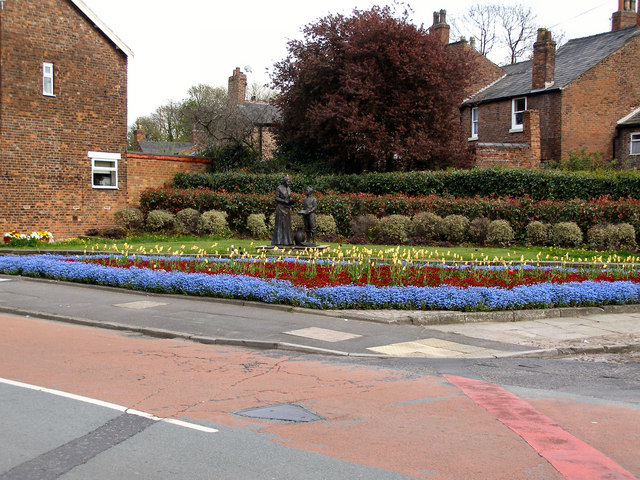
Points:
point(237, 88)
point(440, 28)
point(138, 136)
point(626, 16)
point(544, 61)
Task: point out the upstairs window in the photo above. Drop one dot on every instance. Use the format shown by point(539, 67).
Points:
point(104, 169)
point(474, 123)
point(518, 107)
point(635, 144)
point(47, 79)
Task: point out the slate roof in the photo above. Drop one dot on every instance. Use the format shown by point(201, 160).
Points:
point(573, 59)
point(260, 113)
point(165, 148)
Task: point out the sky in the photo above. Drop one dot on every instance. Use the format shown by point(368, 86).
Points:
point(181, 43)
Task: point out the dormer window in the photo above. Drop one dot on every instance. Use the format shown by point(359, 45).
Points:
point(47, 79)
point(518, 107)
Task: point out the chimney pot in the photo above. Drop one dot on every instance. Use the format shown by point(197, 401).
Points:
point(544, 61)
point(440, 27)
point(626, 16)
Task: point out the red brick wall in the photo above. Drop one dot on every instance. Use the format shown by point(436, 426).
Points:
point(623, 148)
point(45, 173)
point(485, 71)
point(151, 171)
point(523, 154)
point(593, 104)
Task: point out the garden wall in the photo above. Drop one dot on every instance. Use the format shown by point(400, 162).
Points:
point(154, 171)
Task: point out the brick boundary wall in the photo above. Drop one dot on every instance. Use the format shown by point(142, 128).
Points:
point(526, 154)
point(152, 171)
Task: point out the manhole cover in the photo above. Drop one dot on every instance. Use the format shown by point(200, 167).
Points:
point(286, 412)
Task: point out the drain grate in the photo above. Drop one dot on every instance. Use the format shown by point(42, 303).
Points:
point(286, 412)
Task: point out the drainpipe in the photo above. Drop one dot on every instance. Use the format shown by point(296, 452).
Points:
point(615, 141)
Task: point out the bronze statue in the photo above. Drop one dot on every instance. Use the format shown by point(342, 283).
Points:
point(308, 212)
point(282, 235)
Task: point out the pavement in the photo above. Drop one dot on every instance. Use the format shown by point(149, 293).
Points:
point(358, 333)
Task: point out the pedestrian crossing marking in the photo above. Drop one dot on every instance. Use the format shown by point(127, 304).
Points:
point(323, 334)
point(142, 305)
point(433, 347)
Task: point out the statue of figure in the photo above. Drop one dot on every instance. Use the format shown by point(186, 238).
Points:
point(282, 235)
point(308, 212)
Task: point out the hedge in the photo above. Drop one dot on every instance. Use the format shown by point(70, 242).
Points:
point(519, 212)
point(537, 184)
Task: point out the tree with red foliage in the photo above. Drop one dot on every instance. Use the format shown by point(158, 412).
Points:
point(372, 92)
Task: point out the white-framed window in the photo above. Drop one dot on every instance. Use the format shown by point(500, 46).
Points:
point(518, 107)
point(47, 79)
point(104, 169)
point(635, 144)
point(474, 123)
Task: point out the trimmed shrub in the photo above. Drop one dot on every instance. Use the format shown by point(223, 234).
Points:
point(455, 228)
point(500, 233)
point(213, 222)
point(257, 225)
point(363, 226)
point(187, 220)
point(535, 183)
point(427, 225)
point(518, 211)
point(393, 230)
point(114, 233)
point(566, 234)
point(479, 229)
point(161, 221)
point(325, 226)
point(612, 237)
point(129, 218)
point(598, 237)
point(537, 233)
point(625, 238)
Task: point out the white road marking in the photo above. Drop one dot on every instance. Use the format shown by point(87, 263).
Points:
point(323, 334)
point(142, 305)
point(112, 406)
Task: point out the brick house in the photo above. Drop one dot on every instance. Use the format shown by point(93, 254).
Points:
point(63, 118)
point(485, 71)
point(585, 95)
point(259, 115)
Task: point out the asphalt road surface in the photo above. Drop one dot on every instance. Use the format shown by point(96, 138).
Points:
point(79, 402)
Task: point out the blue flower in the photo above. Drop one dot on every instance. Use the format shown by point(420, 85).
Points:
point(542, 295)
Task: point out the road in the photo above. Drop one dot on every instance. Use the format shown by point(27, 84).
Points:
point(367, 418)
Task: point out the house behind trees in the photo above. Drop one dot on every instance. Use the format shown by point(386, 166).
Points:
point(582, 97)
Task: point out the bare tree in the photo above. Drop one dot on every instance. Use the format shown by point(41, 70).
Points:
point(479, 22)
point(261, 93)
point(518, 29)
point(169, 120)
point(510, 29)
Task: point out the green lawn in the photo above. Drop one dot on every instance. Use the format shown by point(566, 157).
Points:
point(223, 246)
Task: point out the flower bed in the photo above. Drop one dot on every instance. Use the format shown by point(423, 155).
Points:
point(40, 236)
point(556, 289)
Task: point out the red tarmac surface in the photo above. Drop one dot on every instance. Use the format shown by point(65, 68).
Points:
point(423, 426)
